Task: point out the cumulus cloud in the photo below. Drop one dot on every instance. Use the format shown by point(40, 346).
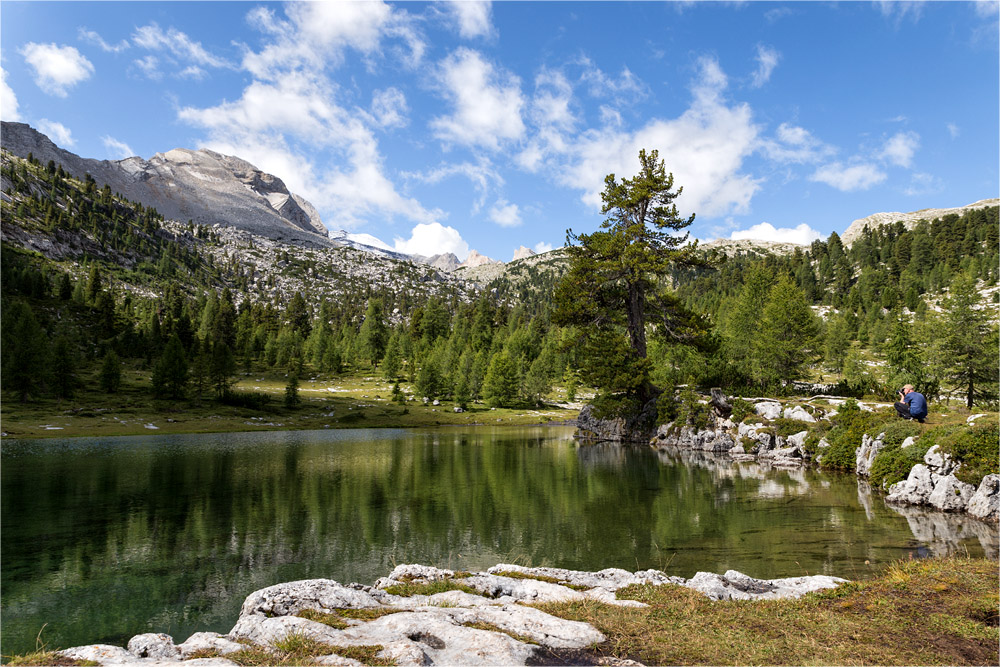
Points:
point(802, 234)
point(767, 60)
point(389, 107)
point(923, 184)
point(704, 148)
point(173, 41)
point(57, 132)
point(505, 214)
point(319, 33)
point(473, 18)
point(8, 100)
point(900, 148)
point(57, 68)
point(432, 239)
point(94, 38)
point(796, 145)
point(626, 87)
point(487, 102)
point(482, 174)
point(273, 124)
point(541, 247)
point(849, 178)
point(117, 150)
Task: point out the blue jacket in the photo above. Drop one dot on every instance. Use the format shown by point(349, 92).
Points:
point(917, 403)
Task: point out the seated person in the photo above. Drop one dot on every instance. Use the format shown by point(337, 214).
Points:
point(912, 404)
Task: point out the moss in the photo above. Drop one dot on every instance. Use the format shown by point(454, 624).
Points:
point(409, 589)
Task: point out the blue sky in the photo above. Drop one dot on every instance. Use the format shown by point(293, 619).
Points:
point(449, 126)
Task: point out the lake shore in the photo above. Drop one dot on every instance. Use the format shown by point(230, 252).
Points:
point(930, 611)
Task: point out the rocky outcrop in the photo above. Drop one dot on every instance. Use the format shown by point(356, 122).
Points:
point(634, 428)
point(864, 455)
point(933, 483)
point(909, 220)
point(475, 259)
point(523, 253)
point(449, 628)
point(985, 502)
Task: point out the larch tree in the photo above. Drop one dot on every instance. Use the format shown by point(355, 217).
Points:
point(969, 342)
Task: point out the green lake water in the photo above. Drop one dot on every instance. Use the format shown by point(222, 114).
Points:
point(105, 538)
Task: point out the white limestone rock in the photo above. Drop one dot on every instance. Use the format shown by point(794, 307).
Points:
point(208, 641)
point(915, 489)
point(154, 645)
point(939, 462)
point(265, 631)
point(985, 503)
point(103, 654)
point(865, 455)
point(908, 442)
point(950, 494)
point(799, 413)
point(797, 439)
point(768, 410)
point(972, 418)
point(735, 585)
point(610, 578)
point(522, 590)
point(293, 597)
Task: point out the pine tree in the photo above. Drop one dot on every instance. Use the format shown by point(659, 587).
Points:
point(292, 399)
point(500, 387)
point(170, 374)
point(25, 349)
point(110, 376)
point(222, 368)
point(969, 342)
point(787, 335)
point(374, 332)
point(64, 368)
point(392, 361)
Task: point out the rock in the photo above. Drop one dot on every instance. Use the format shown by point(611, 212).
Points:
point(798, 439)
point(265, 631)
point(972, 418)
point(915, 489)
point(610, 578)
point(103, 654)
point(950, 494)
point(908, 442)
point(153, 645)
point(459, 408)
point(768, 410)
point(719, 402)
point(735, 585)
point(865, 455)
point(822, 444)
point(208, 641)
point(798, 413)
point(420, 573)
point(634, 428)
point(985, 502)
point(293, 597)
point(939, 462)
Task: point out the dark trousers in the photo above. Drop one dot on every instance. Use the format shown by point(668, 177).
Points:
point(904, 411)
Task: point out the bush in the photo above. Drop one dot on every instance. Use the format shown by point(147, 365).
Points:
point(692, 412)
point(899, 431)
point(975, 447)
point(787, 427)
point(741, 410)
point(850, 424)
point(893, 463)
point(245, 399)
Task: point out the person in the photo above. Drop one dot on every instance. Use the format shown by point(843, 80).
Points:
point(911, 404)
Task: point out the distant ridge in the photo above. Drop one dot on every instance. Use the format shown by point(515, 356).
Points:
point(199, 185)
point(909, 220)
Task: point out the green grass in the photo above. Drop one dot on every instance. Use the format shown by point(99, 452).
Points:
point(47, 658)
point(539, 577)
point(337, 619)
point(409, 589)
point(922, 612)
point(298, 649)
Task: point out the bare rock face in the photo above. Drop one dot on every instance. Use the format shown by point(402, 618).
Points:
point(523, 253)
point(475, 259)
point(985, 503)
point(634, 428)
point(199, 185)
point(909, 220)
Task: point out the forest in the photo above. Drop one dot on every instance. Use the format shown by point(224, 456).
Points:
point(94, 285)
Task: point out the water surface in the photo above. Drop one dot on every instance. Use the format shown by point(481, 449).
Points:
point(104, 538)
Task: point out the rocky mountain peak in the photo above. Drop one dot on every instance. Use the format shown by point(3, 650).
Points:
point(523, 253)
point(475, 259)
point(909, 220)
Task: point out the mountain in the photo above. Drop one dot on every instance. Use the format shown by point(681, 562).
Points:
point(368, 243)
point(731, 247)
point(909, 220)
point(202, 186)
point(475, 259)
point(522, 253)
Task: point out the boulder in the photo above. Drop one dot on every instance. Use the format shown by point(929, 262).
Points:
point(915, 489)
point(768, 410)
point(908, 442)
point(153, 645)
point(865, 455)
point(798, 413)
point(102, 654)
point(735, 585)
point(293, 597)
point(208, 641)
point(939, 462)
point(985, 502)
point(950, 494)
point(633, 428)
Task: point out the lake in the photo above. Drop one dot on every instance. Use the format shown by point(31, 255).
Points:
point(105, 538)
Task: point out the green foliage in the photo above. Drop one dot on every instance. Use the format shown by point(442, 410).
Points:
point(850, 425)
point(500, 386)
point(975, 447)
point(253, 400)
point(170, 375)
point(893, 463)
point(741, 409)
point(24, 348)
point(691, 411)
point(969, 343)
point(786, 335)
point(292, 399)
point(110, 377)
point(786, 427)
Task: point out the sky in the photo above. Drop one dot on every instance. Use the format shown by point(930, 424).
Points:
point(452, 126)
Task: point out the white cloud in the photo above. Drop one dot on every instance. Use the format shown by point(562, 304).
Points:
point(849, 178)
point(8, 100)
point(627, 88)
point(473, 18)
point(704, 148)
point(192, 72)
point(96, 39)
point(802, 234)
point(900, 148)
point(276, 125)
point(487, 102)
point(153, 37)
point(505, 214)
point(318, 33)
point(432, 239)
point(953, 130)
point(117, 150)
point(897, 10)
point(56, 67)
point(923, 184)
point(150, 66)
point(541, 247)
point(389, 107)
point(57, 132)
point(767, 60)
point(796, 145)
point(482, 175)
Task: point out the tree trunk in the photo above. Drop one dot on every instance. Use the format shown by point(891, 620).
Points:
point(968, 396)
point(637, 319)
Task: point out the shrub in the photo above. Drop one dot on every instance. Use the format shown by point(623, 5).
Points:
point(893, 463)
point(787, 427)
point(851, 424)
point(741, 410)
point(245, 399)
point(691, 411)
point(898, 431)
point(975, 447)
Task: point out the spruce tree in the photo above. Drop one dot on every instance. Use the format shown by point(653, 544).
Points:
point(786, 339)
point(25, 349)
point(170, 374)
point(110, 376)
point(500, 387)
point(969, 342)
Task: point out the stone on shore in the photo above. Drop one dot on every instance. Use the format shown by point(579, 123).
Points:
point(735, 585)
point(985, 502)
